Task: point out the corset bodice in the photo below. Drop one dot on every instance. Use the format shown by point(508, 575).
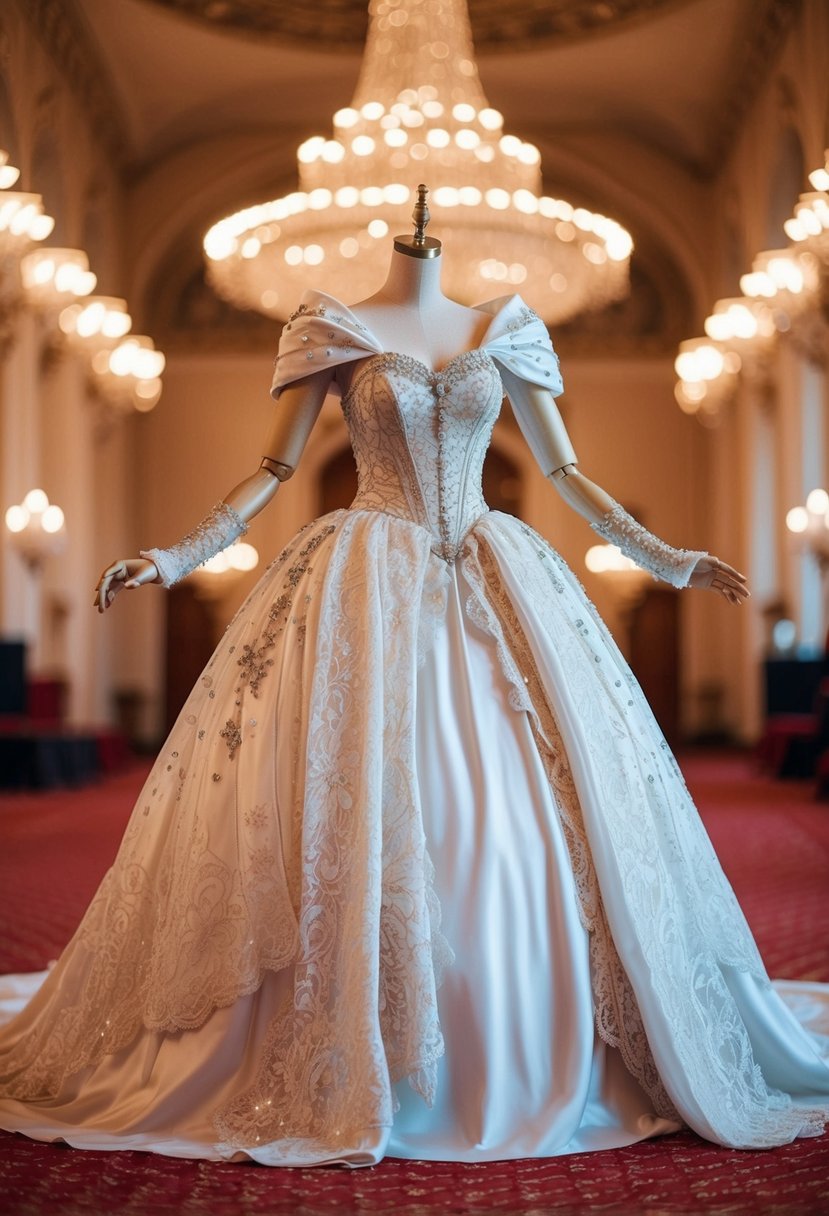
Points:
point(420, 438)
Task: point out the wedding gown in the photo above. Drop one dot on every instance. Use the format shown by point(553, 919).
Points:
point(415, 872)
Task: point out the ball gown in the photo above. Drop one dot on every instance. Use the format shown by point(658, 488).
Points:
point(415, 872)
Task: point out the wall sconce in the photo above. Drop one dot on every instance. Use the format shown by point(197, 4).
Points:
point(36, 528)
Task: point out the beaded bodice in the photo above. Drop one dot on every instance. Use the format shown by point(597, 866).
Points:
point(420, 438)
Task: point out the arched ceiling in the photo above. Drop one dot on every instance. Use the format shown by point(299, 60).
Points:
point(674, 74)
point(634, 103)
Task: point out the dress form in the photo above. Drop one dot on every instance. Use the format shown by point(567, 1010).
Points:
point(411, 314)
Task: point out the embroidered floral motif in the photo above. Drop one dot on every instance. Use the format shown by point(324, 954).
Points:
point(254, 661)
point(232, 735)
point(524, 316)
point(257, 816)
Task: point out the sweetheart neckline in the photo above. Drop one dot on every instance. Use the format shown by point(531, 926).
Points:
point(431, 374)
point(482, 308)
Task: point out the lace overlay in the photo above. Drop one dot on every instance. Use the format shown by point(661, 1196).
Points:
point(364, 1007)
point(674, 566)
point(216, 531)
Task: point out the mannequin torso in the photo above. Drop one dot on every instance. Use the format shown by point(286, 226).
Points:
point(411, 315)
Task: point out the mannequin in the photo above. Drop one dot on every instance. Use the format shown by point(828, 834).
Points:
point(411, 315)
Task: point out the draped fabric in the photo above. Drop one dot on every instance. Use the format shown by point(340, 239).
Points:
point(267, 949)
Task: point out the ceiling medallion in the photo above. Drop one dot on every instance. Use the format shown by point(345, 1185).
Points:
point(419, 114)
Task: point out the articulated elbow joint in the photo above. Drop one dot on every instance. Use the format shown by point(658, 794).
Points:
point(279, 470)
point(566, 470)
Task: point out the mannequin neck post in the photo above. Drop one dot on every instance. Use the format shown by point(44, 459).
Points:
point(412, 278)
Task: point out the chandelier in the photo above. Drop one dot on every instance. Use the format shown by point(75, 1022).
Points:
point(419, 114)
point(784, 293)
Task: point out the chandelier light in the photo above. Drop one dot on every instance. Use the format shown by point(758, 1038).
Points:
point(125, 367)
point(809, 226)
point(22, 218)
point(809, 525)
point(52, 278)
point(129, 375)
point(56, 283)
point(96, 323)
point(781, 294)
point(36, 528)
point(419, 114)
point(22, 223)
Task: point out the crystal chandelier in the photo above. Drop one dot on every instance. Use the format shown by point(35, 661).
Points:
point(419, 115)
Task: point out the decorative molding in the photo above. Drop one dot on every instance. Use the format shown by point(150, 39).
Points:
point(649, 321)
point(56, 25)
point(331, 25)
point(765, 38)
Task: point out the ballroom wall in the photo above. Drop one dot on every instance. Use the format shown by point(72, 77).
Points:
point(142, 480)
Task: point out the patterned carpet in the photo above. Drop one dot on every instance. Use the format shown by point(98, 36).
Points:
point(773, 840)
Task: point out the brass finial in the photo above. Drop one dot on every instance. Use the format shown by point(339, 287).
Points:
point(419, 245)
point(420, 215)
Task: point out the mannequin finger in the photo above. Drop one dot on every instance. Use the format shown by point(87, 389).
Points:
point(724, 568)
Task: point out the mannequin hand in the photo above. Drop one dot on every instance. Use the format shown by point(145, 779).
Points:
point(720, 577)
point(129, 573)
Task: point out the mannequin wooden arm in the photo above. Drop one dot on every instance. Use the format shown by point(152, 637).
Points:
point(543, 428)
point(582, 494)
point(299, 407)
point(540, 422)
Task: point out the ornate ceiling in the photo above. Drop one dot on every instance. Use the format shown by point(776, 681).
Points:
point(335, 24)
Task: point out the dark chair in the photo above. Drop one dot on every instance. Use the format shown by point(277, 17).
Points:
point(793, 744)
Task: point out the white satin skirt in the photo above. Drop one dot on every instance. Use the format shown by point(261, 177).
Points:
point(524, 1072)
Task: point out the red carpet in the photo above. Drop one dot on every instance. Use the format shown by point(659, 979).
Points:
point(773, 840)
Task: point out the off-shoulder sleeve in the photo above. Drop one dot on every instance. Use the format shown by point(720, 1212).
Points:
point(517, 338)
point(321, 333)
